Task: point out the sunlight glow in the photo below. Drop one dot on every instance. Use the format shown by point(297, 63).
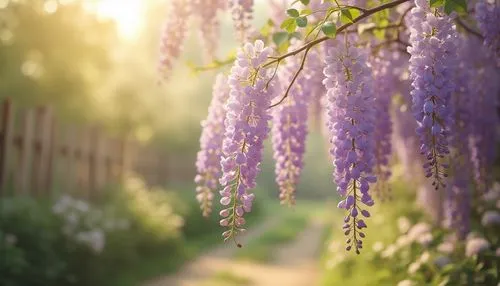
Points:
point(128, 14)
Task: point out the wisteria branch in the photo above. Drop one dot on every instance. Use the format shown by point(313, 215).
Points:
point(306, 47)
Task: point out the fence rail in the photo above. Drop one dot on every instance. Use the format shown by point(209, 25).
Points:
point(38, 154)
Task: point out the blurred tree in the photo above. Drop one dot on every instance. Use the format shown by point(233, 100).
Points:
point(53, 53)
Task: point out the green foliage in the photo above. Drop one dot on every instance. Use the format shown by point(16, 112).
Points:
point(289, 25)
point(41, 243)
point(260, 249)
point(301, 21)
point(396, 250)
point(30, 245)
point(292, 13)
point(280, 38)
point(450, 6)
point(329, 29)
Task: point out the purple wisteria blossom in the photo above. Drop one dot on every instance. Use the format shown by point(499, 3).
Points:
point(458, 192)
point(208, 158)
point(209, 27)
point(484, 116)
point(350, 123)
point(290, 127)
point(384, 87)
point(173, 34)
point(433, 54)
point(488, 20)
point(246, 128)
point(242, 12)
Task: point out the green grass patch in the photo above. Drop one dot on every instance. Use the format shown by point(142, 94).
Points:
point(261, 249)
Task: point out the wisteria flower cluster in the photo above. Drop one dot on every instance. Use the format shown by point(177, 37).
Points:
point(351, 127)
point(206, 12)
point(417, 79)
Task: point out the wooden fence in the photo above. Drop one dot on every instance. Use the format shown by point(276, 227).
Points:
point(40, 155)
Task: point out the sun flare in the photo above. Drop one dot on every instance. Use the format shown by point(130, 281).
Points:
point(127, 14)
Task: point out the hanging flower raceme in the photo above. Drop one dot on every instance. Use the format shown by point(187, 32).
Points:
point(290, 130)
point(242, 12)
point(173, 35)
point(246, 128)
point(209, 27)
point(458, 192)
point(208, 159)
point(483, 103)
point(488, 20)
point(350, 111)
point(384, 86)
point(433, 52)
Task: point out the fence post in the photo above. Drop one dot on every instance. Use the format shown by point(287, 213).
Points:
point(70, 168)
point(96, 162)
point(6, 128)
point(54, 151)
point(43, 115)
point(26, 150)
point(125, 158)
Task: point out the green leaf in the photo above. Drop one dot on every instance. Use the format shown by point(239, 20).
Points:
point(347, 15)
point(289, 25)
point(292, 13)
point(280, 37)
point(305, 2)
point(436, 3)
point(329, 29)
point(305, 12)
point(380, 33)
point(301, 21)
point(459, 6)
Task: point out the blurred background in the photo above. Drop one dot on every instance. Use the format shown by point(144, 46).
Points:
point(97, 162)
point(98, 154)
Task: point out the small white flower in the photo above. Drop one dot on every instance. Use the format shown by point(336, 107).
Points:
point(389, 251)
point(418, 230)
point(378, 246)
point(413, 268)
point(475, 246)
point(490, 218)
point(442, 261)
point(404, 224)
point(425, 239)
point(424, 257)
point(446, 247)
point(10, 239)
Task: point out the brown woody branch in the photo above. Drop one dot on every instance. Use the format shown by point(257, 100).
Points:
point(306, 47)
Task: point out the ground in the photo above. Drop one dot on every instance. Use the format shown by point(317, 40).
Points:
point(294, 264)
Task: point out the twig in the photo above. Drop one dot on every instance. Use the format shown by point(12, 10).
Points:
point(295, 76)
point(364, 14)
point(214, 65)
point(310, 44)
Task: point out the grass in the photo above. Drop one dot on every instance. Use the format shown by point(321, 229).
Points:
point(163, 263)
point(261, 249)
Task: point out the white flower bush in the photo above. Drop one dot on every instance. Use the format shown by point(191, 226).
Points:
point(87, 224)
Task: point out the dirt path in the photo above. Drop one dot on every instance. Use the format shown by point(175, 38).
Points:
point(295, 264)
